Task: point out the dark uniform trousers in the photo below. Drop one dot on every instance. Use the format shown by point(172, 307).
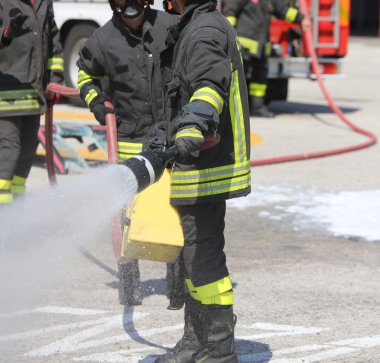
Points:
point(203, 227)
point(18, 144)
point(256, 72)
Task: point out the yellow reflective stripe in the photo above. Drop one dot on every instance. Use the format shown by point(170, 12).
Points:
point(90, 96)
point(22, 104)
point(215, 288)
point(291, 14)
point(232, 20)
point(268, 48)
point(128, 149)
point(14, 94)
point(226, 298)
point(209, 95)
point(192, 290)
point(257, 89)
point(237, 119)
point(18, 180)
point(18, 189)
point(129, 146)
point(84, 77)
point(211, 174)
point(18, 185)
point(55, 64)
point(212, 188)
point(6, 198)
point(250, 44)
point(189, 132)
point(5, 184)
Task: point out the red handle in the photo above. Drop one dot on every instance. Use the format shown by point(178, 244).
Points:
point(212, 138)
point(111, 135)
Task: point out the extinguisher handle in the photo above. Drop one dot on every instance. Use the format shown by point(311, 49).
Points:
point(212, 138)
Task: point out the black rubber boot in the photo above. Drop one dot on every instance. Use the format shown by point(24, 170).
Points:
point(218, 323)
point(258, 108)
point(189, 344)
point(175, 284)
point(129, 283)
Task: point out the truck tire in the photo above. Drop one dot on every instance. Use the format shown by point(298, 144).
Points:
point(72, 45)
point(277, 90)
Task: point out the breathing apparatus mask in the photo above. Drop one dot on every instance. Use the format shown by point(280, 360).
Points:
point(131, 9)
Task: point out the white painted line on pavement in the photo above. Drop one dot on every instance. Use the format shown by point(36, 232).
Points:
point(351, 345)
point(54, 310)
point(36, 332)
point(365, 342)
point(122, 355)
point(278, 327)
point(258, 357)
point(328, 354)
point(73, 343)
point(279, 331)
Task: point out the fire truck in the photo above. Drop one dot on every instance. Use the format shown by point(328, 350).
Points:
point(77, 19)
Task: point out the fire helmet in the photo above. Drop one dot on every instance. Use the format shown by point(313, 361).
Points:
point(131, 9)
point(168, 5)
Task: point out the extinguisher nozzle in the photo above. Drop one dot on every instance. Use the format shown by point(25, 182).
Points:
point(149, 166)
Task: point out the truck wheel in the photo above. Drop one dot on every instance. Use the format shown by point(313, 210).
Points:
point(277, 90)
point(73, 44)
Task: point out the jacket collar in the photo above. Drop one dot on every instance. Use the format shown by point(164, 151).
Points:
point(192, 9)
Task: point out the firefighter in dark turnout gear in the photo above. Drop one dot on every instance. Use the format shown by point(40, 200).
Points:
point(30, 57)
point(126, 50)
point(251, 19)
point(205, 90)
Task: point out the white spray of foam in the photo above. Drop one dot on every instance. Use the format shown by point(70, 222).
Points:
point(351, 214)
point(38, 234)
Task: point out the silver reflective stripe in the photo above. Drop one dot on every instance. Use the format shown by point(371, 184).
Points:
point(149, 167)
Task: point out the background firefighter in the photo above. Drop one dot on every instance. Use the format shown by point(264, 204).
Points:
point(205, 90)
point(126, 50)
point(251, 19)
point(30, 58)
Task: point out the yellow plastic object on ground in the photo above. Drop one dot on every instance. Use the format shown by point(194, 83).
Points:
point(154, 232)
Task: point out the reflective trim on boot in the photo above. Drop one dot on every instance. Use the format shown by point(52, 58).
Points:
point(218, 324)
point(189, 344)
point(129, 283)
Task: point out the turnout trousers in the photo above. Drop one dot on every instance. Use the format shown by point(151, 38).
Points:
point(203, 229)
point(18, 144)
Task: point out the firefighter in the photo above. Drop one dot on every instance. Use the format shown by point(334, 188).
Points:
point(205, 92)
point(30, 57)
point(251, 20)
point(126, 50)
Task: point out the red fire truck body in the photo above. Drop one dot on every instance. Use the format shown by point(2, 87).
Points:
point(330, 26)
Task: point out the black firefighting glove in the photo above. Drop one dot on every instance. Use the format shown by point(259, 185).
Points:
point(15, 28)
point(188, 140)
point(99, 110)
point(56, 77)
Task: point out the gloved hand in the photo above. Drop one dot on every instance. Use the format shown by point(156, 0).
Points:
point(99, 110)
point(56, 77)
point(16, 28)
point(188, 140)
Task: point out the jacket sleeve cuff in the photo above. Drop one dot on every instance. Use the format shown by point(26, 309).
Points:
point(199, 114)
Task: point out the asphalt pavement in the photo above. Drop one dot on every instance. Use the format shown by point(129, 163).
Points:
point(302, 294)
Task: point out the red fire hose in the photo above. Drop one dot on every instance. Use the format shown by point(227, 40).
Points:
point(372, 138)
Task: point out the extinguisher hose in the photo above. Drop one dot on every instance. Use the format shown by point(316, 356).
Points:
point(316, 70)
